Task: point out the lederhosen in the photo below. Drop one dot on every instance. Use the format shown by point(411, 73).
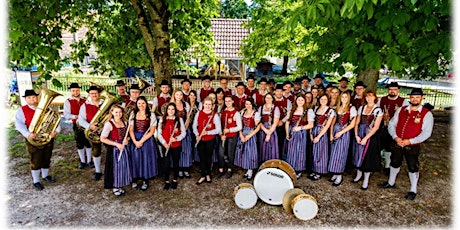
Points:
point(391, 106)
point(40, 157)
point(78, 131)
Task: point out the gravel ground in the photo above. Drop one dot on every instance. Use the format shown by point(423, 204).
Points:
point(76, 201)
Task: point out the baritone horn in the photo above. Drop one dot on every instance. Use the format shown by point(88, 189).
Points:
point(45, 120)
point(101, 115)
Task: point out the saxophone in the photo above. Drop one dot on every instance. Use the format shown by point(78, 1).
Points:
point(101, 116)
point(45, 120)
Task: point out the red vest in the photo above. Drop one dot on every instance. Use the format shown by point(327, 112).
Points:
point(167, 129)
point(259, 99)
point(291, 97)
point(358, 102)
point(228, 92)
point(391, 105)
point(203, 119)
point(91, 110)
point(410, 123)
point(205, 92)
point(126, 97)
point(282, 105)
point(239, 102)
point(185, 97)
point(228, 121)
point(28, 114)
point(250, 92)
point(162, 101)
point(75, 107)
point(117, 134)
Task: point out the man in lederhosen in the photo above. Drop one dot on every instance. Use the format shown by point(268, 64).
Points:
point(87, 111)
point(251, 89)
point(40, 157)
point(239, 96)
point(389, 104)
point(410, 127)
point(71, 110)
point(162, 99)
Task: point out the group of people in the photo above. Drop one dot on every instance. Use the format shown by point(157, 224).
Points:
point(316, 129)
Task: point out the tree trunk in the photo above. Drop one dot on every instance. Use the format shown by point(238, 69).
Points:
point(156, 36)
point(370, 78)
point(285, 63)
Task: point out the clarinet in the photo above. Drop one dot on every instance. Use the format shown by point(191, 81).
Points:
point(225, 125)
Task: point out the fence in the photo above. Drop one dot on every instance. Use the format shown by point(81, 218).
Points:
point(440, 100)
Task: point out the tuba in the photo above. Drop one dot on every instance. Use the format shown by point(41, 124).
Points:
point(101, 116)
point(45, 120)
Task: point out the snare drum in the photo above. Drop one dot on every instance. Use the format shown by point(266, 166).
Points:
point(271, 184)
point(245, 196)
point(304, 207)
point(280, 164)
point(289, 196)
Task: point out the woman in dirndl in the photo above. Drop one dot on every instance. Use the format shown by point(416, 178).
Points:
point(367, 156)
point(268, 138)
point(183, 111)
point(246, 155)
point(113, 134)
point(142, 148)
point(340, 137)
point(320, 137)
point(300, 120)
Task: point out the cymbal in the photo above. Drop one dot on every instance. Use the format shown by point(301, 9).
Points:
point(289, 196)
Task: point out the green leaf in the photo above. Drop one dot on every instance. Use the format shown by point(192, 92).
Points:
point(413, 2)
point(57, 83)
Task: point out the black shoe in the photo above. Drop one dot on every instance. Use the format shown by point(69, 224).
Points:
point(337, 184)
point(386, 185)
point(200, 181)
point(220, 175)
point(82, 165)
point(229, 174)
point(411, 195)
point(91, 164)
point(174, 184)
point(49, 179)
point(187, 174)
point(209, 181)
point(181, 175)
point(316, 177)
point(331, 180)
point(167, 185)
point(249, 177)
point(364, 189)
point(38, 186)
point(97, 176)
point(245, 176)
point(386, 171)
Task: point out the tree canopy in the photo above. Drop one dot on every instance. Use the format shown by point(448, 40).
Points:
point(235, 9)
point(138, 33)
point(407, 36)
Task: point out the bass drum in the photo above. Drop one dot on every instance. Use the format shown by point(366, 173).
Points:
point(245, 196)
point(280, 164)
point(271, 184)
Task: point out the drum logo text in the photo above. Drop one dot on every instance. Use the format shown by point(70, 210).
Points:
point(274, 174)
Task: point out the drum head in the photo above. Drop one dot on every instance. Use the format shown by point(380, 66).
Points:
point(271, 184)
point(283, 165)
point(305, 208)
point(245, 198)
point(289, 196)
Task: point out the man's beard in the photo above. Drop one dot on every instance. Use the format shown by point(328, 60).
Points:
point(414, 104)
point(392, 95)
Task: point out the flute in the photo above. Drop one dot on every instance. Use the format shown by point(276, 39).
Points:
point(169, 142)
point(204, 128)
point(225, 125)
